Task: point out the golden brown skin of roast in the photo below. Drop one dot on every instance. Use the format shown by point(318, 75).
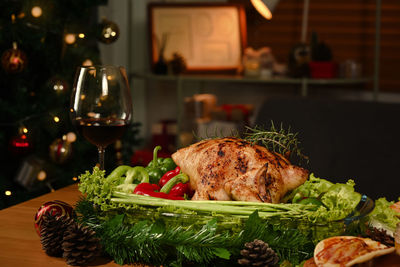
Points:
point(234, 169)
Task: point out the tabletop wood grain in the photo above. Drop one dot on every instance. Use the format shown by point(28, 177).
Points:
point(20, 245)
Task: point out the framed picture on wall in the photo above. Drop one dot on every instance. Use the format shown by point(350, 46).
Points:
point(210, 37)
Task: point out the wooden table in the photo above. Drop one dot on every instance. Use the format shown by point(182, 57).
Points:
point(19, 243)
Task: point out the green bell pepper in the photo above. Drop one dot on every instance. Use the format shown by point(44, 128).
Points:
point(167, 164)
point(118, 173)
point(158, 166)
point(134, 176)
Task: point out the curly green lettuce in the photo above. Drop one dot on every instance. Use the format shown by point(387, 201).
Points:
point(97, 188)
point(338, 199)
point(383, 216)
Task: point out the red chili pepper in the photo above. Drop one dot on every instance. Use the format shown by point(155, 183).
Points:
point(168, 175)
point(151, 190)
point(180, 189)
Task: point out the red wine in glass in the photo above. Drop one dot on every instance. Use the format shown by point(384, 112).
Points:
point(101, 132)
point(101, 105)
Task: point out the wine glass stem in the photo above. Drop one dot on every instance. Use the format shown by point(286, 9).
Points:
point(102, 150)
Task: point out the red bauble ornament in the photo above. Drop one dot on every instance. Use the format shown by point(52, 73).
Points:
point(14, 60)
point(56, 208)
point(20, 145)
point(60, 151)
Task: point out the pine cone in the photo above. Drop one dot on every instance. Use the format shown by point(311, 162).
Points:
point(258, 253)
point(80, 245)
point(380, 235)
point(52, 232)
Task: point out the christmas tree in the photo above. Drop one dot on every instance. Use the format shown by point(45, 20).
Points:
point(42, 42)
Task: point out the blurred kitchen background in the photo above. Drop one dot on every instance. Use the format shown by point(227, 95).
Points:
point(196, 69)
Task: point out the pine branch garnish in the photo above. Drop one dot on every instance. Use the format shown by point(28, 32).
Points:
point(277, 140)
point(179, 243)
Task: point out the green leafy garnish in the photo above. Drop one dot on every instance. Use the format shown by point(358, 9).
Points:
point(338, 200)
point(276, 139)
point(383, 215)
point(135, 228)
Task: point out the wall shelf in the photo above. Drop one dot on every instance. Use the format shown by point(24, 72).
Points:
point(303, 84)
point(243, 79)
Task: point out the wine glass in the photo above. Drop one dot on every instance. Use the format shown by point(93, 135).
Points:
point(101, 105)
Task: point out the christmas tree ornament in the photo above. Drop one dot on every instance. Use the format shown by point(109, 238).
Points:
point(52, 233)
point(31, 172)
point(55, 208)
point(58, 84)
point(14, 60)
point(60, 151)
point(20, 145)
point(108, 31)
point(80, 245)
point(258, 253)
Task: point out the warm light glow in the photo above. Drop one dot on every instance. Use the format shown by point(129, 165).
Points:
point(70, 38)
point(36, 11)
point(81, 35)
point(109, 32)
point(7, 193)
point(71, 137)
point(56, 119)
point(91, 115)
point(262, 9)
point(87, 63)
point(41, 176)
point(58, 87)
point(23, 130)
point(74, 178)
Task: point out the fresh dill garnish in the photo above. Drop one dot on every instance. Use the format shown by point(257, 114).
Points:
point(275, 139)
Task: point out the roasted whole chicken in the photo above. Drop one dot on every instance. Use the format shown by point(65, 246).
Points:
point(234, 169)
